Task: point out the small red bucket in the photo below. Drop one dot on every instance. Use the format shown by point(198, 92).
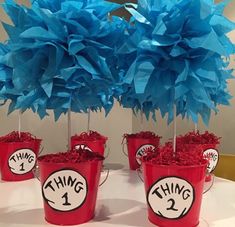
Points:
point(210, 152)
point(136, 148)
point(69, 190)
point(18, 159)
point(174, 193)
point(90, 145)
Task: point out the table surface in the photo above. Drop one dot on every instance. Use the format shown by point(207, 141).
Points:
point(121, 202)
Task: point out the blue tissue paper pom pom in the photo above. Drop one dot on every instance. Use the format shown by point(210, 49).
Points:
point(178, 53)
point(7, 91)
point(62, 55)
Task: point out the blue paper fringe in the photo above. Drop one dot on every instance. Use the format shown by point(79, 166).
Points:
point(62, 53)
point(178, 55)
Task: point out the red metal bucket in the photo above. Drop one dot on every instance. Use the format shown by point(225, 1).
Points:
point(210, 152)
point(136, 148)
point(18, 159)
point(69, 191)
point(90, 145)
point(174, 194)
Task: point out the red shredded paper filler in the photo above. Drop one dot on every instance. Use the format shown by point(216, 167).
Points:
point(91, 136)
point(197, 138)
point(14, 137)
point(184, 156)
point(73, 156)
point(143, 135)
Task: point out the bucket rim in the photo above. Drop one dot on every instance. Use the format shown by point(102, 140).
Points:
point(206, 144)
point(205, 163)
point(68, 163)
point(137, 137)
point(95, 140)
point(23, 142)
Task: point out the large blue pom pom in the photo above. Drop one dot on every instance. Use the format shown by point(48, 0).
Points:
point(178, 55)
point(62, 53)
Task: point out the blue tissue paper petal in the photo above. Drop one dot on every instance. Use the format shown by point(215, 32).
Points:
point(176, 53)
point(62, 55)
point(7, 90)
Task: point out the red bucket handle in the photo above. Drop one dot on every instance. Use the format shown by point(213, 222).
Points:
point(107, 151)
point(209, 184)
point(36, 172)
point(106, 177)
point(140, 174)
point(41, 150)
point(124, 143)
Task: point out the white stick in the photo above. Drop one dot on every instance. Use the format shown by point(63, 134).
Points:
point(88, 120)
point(69, 130)
point(142, 120)
point(195, 128)
point(19, 122)
point(174, 138)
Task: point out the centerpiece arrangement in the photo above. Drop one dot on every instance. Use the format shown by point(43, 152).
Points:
point(176, 60)
point(18, 150)
point(67, 47)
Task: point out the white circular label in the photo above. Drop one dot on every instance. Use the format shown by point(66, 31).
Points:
point(22, 161)
point(212, 156)
point(83, 147)
point(65, 190)
point(141, 150)
point(171, 197)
